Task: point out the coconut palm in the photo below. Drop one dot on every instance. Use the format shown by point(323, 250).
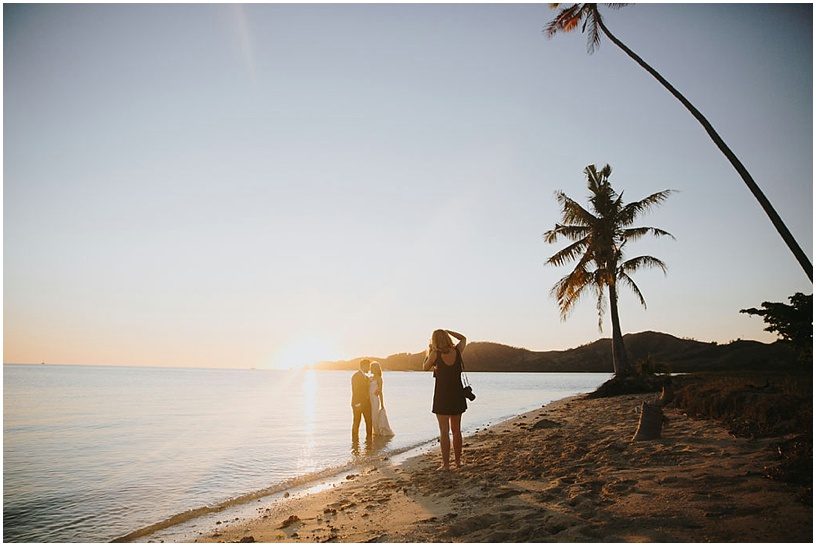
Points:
point(599, 239)
point(570, 16)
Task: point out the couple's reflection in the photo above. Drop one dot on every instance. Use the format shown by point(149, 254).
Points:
point(371, 447)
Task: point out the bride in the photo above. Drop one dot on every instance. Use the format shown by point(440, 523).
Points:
point(379, 418)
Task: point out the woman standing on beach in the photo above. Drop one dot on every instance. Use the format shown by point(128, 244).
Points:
point(379, 419)
point(448, 401)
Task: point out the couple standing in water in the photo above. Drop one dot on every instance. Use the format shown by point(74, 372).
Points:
point(445, 359)
point(367, 401)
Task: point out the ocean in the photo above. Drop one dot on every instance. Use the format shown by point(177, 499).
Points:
point(93, 453)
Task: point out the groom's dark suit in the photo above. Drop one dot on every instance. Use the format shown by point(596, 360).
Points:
point(360, 403)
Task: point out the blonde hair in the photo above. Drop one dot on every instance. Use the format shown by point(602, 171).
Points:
point(376, 369)
point(440, 341)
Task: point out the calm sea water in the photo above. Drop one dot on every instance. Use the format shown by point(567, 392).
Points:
point(91, 453)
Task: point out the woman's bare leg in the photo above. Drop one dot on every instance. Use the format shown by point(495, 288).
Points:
point(456, 429)
point(444, 440)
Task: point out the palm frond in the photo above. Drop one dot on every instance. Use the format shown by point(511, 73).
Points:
point(633, 234)
point(595, 178)
point(570, 289)
point(573, 233)
point(572, 212)
point(592, 20)
point(627, 280)
point(568, 254)
point(655, 198)
point(642, 262)
point(568, 18)
point(565, 20)
point(636, 208)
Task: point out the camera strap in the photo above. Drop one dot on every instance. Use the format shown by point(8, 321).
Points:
point(464, 375)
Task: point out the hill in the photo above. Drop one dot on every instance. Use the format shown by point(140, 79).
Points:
point(680, 355)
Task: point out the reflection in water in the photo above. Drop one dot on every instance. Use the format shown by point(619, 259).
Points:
point(373, 446)
point(80, 439)
point(309, 398)
point(308, 461)
point(309, 456)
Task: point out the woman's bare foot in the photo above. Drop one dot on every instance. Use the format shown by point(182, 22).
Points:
point(443, 468)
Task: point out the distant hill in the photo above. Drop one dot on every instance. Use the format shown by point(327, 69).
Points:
point(681, 355)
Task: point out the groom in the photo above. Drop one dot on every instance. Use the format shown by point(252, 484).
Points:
point(360, 402)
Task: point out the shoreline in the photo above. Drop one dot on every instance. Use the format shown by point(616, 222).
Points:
point(185, 527)
point(568, 471)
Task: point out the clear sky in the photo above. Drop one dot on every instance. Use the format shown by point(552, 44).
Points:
point(265, 185)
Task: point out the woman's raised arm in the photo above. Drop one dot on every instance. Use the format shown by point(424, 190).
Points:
point(460, 337)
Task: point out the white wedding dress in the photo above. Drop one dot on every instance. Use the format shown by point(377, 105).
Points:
point(379, 418)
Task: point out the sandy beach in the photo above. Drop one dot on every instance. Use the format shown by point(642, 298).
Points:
point(568, 472)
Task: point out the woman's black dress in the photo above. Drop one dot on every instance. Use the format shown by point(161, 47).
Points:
point(448, 398)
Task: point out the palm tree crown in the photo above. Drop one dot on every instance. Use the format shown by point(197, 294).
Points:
point(599, 237)
point(570, 16)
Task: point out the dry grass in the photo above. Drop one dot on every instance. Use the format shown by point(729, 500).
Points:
point(771, 405)
point(775, 404)
point(750, 406)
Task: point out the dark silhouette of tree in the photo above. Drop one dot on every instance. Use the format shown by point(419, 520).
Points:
point(793, 323)
point(599, 240)
point(569, 17)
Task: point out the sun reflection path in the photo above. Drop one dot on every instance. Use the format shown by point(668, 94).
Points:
point(307, 461)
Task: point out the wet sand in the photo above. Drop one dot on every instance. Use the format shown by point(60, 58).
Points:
point(568, 472)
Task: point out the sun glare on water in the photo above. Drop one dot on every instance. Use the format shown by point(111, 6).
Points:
point(305, 351)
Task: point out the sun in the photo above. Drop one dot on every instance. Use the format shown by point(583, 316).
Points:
point(305, 351)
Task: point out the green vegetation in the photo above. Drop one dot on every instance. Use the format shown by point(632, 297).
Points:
point(793, 323)
point(571, 16)
point(598, 240)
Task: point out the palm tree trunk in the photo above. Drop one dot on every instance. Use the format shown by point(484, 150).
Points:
point(620, 361)
point(800, 255)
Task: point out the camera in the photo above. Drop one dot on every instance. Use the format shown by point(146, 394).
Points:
point(468, 392)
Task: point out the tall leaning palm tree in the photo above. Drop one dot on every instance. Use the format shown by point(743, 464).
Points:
point(599, 239)
point(569, 17)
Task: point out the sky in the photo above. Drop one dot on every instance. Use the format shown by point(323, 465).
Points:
point(269, 185)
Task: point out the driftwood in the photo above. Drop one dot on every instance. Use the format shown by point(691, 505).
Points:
point(651, 423)
point(666, 396)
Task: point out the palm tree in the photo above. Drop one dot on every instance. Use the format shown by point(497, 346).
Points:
point(569, 17)
point(599, 240)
